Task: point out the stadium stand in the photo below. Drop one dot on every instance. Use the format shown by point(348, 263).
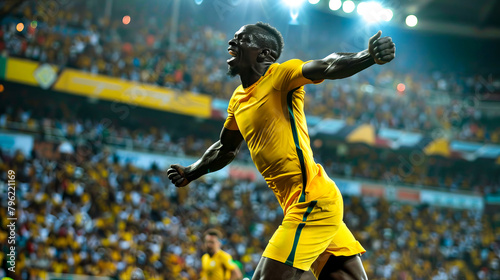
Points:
point(87, 41)
point(86, 210)
point(104, 219)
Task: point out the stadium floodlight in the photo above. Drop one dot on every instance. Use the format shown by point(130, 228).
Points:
point(374, 12)
point(335, 4)
point(387, 14)
point(294, 14)
point(370, 11)
point(314, 2)
point(293, 3)
point(198, 2)
point(348, 6)
point(362, 8)
point(411, 20)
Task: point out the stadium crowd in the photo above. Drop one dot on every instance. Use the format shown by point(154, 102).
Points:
point(90, 215)
point(141, 51)
point(97, 217)
point(68, 119)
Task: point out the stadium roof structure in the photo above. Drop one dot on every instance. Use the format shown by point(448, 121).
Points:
point(479, 18)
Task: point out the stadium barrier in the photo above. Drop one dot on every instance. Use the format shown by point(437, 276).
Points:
point(103, 87)
point(11, 142)
point(236, 170)
point(242, 171)
point(204, 106)
point(62, 276)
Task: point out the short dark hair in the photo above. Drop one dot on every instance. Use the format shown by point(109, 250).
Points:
point(213, 232)
point(270, 38)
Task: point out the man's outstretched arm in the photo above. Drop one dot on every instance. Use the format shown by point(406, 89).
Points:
point(220, 154)
point(343, 65)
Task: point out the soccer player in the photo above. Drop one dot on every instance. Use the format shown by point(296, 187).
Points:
point(217, 264)
point(267, 111)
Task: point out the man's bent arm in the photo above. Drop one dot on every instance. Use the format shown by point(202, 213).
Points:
point(343, 65)
point(337, 66)
point(220, 154)
point(236, 274)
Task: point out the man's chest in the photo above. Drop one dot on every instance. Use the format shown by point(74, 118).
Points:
point(259, 112)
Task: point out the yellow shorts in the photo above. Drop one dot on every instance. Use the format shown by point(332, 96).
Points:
point(310, 233)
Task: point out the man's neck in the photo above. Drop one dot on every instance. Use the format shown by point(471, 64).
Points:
point(215, 252)
point(254, 74)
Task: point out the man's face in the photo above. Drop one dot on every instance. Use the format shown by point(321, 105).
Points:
point(244, 50)
point(212, 244)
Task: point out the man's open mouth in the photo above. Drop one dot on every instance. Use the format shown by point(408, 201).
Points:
point(233, 54)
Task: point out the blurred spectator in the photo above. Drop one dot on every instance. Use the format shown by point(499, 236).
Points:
point(100, 218)
point(81, 36)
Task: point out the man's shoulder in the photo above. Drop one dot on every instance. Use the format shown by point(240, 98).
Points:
point(292, 62)
point(289, 65)
point(223, 254)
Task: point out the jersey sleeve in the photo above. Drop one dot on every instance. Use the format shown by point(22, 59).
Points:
point(288, 76)
point(203, 274)
point(227, 262)
point(230, 122)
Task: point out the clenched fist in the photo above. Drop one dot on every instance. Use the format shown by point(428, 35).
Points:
point(382, 49)
point(176, 174)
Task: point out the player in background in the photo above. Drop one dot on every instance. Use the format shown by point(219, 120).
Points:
point(267, 111)
point(215, 263)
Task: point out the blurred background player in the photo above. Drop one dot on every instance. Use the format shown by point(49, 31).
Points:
point(215, 263)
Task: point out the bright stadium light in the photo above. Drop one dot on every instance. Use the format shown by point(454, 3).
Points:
point(348, 6)
point(374, 12)
point(335, 4)
point(370, 11)
point(387, 14)
point(362, 8)
point(293, 3)
point(411, 20)
point(314, 2)
point(294, 14)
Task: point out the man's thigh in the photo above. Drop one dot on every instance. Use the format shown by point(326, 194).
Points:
point(269, 269)
point(306, 232)
point(344, 244)
point(343, 268)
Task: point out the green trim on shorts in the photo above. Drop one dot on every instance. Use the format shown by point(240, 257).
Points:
point(291, 257)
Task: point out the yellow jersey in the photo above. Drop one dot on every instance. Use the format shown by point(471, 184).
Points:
point(216, 267)
point(270, 116)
